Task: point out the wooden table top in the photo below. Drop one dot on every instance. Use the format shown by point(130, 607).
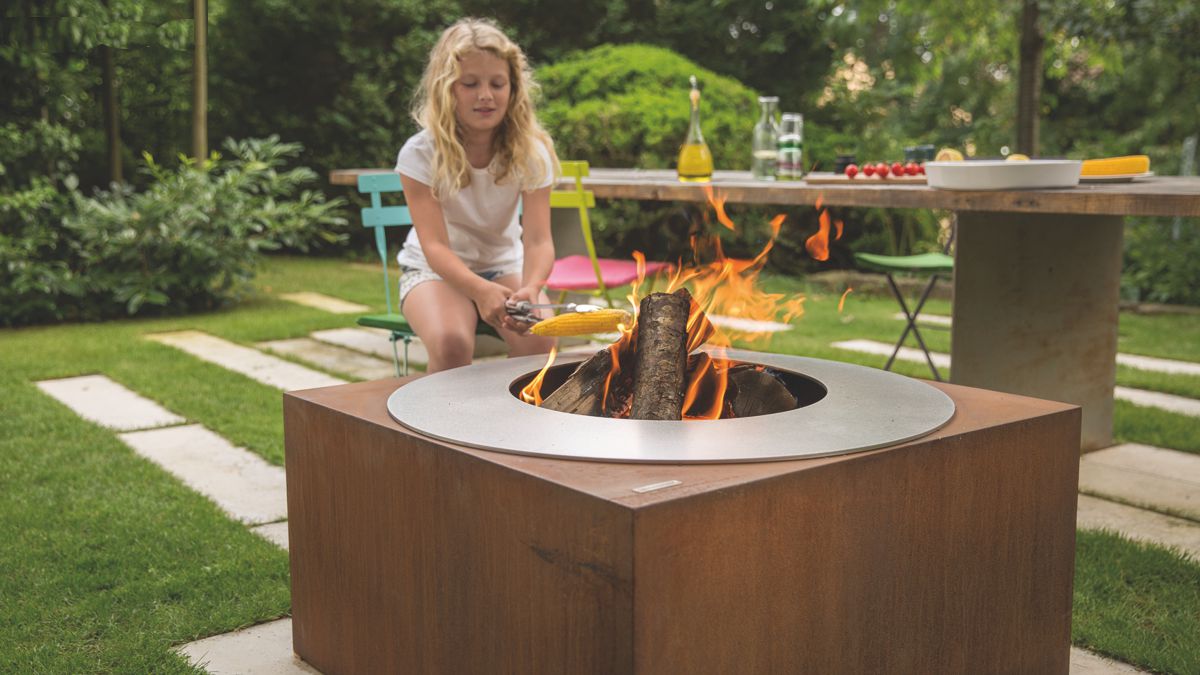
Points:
point(1154, 196)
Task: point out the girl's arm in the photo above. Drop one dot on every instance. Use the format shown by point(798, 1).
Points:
point(537, 243)
point(489, 297)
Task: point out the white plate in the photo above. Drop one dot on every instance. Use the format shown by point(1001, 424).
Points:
point(1115, 178)
point(998, 174)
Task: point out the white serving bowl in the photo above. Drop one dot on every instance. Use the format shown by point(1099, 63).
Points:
point(998, 174)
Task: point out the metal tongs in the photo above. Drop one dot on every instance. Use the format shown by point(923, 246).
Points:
point(523, 310)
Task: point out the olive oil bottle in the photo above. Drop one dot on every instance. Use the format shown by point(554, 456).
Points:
point(695, 160)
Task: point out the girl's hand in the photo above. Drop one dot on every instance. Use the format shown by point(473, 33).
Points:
point(530, 294)
point(490, 299)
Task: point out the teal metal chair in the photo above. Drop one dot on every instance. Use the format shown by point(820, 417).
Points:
point(380, 218)
point(933, 264)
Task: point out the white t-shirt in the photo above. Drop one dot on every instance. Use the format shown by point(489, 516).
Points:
point(481, 219)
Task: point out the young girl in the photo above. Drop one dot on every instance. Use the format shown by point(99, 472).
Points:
point(480, 153)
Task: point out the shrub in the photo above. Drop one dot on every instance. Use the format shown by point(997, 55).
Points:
point(1162, 261)
point(188, 242)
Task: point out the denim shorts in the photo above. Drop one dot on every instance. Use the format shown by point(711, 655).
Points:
point(411, 277)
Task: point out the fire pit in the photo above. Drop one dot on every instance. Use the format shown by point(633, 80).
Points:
point(841, 408)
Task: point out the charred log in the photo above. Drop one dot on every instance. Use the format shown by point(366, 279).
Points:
point(660, 362)
point(583, 392)
point(755, 391)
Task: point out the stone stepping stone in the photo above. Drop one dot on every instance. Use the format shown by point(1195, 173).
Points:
point(243, 484)
point(748, 325)
point(1139, 524)
point(1154, 478)
point(264, 368)
point(882, 349)
point(1084, 662)
point(1158, 365)
point(334, 358)
point(1131, 360)
point(1154, 399)
point(374, 341)
point(325, 303)
point(98, 399)
point(931, 319)
point(276, 533)
point(265, 649)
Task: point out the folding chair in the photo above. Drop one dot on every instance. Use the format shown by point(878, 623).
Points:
point(380, 218)
point(934, 264)
point(588, 273)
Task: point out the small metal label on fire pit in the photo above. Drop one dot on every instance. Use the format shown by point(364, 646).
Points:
point(863, 408)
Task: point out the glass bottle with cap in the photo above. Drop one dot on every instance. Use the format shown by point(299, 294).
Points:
point(766, 140)
point(695, 163)
point(791, 146)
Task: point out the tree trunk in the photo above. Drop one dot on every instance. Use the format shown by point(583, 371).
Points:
point(661, 359)
point(112, 112)
point(200, 81)
point(1029, 83)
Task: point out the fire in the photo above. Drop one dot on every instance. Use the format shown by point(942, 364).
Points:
point(721, 287)
point(532, 392)
point(818, 244)
point(842, 302)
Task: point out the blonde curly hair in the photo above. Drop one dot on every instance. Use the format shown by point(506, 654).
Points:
point(516, 155)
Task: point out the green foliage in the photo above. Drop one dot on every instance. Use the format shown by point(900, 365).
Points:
point(628, 105)
point(188, 242)
point(1162, 262)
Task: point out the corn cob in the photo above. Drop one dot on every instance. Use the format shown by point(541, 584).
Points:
point(1111, 166)
point(581, 323)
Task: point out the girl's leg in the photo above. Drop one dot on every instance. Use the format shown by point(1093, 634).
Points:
point(445, 321)
point(524, 345)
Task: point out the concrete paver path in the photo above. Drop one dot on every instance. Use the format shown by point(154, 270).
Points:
point(264, 368)
point(98, 399)
point(325, 303)
point(1155, 478)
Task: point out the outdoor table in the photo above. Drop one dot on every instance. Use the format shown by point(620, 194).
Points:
point(1037, 272)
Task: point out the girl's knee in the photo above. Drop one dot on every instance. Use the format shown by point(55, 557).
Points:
point(451, 347)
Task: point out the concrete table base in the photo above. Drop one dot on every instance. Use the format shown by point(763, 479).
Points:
point(950, 553)
point(1035, 310)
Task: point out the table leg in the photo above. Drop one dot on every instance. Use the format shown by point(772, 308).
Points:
point(1035, 310)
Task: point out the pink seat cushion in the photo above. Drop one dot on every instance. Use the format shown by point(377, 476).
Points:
point(575, 273)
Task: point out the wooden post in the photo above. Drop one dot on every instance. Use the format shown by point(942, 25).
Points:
point(1029, 79)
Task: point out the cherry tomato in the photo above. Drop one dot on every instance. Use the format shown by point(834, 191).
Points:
point(897, 169)
point(851, 170)
point(921, 168)
point(911, 168)
point(882, 169)
point(868, 169)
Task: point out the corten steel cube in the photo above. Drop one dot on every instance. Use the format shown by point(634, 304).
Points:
point(952, 553)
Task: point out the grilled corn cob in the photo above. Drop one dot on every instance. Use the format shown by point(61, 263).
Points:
point(1111, 166)
point(581, 323)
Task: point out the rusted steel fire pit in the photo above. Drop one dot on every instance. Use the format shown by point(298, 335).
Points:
point(842, 408)
point(913, 528)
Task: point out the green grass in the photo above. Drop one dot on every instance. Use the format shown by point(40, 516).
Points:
point(1137, 603)
point(108, 561)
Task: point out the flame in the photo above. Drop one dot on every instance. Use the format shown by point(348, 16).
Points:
point(842, 302)
point(718, 203)
point(532, 392)
point(818, 244)
point(720, 287)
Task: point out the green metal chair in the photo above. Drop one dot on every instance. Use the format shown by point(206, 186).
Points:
point(933, 264)
point(380, 218)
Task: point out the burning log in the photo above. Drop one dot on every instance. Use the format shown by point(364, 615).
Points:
point(758, 392)
point(661, 357)
point(583, 391)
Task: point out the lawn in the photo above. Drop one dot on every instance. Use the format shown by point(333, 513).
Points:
point(109, 561)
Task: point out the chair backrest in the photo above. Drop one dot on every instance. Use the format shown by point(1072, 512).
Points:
point(582, 200)
point(381, 217)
